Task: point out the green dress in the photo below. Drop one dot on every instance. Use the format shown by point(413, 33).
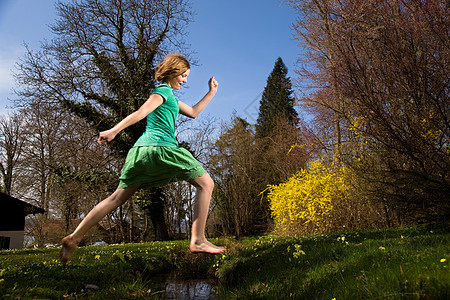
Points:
point(156, 159)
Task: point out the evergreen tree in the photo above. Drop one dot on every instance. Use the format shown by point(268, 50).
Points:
point(277, 102)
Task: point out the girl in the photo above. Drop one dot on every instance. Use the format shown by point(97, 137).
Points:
point(156, 159)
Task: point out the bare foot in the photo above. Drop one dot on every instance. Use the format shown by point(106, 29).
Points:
point(68, 246)
point(206, 247)
point(223, 248)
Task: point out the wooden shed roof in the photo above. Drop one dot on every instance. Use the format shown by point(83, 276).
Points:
point(9, 201)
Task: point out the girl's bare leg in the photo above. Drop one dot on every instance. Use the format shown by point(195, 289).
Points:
point(204, 185)
point(70, 242)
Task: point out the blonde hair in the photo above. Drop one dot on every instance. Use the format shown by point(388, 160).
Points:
point(173, 65)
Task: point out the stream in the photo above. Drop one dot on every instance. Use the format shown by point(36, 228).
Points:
point(176, 287)
point(182, 289)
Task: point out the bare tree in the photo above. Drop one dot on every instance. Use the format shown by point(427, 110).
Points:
point(12, 141)
point(381, 66)
point(58, 167)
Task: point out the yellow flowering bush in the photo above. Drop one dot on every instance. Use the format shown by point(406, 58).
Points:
point(304, 203)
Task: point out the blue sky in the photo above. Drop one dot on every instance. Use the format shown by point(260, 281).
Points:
point(237, 41)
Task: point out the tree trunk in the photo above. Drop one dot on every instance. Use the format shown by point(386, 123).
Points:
point(156, 213)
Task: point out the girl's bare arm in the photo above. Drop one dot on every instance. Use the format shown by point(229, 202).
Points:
point(195, 110)
point(150, 105)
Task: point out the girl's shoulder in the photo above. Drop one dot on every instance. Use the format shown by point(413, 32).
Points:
point(164, 90)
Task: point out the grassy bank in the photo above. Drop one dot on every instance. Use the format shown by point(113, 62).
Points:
point(384, 264)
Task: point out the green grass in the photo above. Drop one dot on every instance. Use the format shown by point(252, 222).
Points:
point(380, 264)
point(383, 264)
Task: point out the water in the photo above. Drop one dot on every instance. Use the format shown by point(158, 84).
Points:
point(197, 289)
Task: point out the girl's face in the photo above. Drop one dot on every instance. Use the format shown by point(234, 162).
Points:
point(177, 82)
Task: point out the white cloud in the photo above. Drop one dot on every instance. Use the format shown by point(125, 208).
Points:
point(6, 80)
point(8, 58)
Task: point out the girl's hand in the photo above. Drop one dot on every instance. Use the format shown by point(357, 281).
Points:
point(213, 84)
point(106, 136)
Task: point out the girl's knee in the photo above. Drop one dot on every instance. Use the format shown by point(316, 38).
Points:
point(204, 182)
point(210, 183)
point(120, 196)
point(116, 200)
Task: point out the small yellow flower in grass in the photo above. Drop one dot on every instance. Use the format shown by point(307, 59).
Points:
point(298, 251)
point(97, 257)
point(382, 248)
point(443, 260)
